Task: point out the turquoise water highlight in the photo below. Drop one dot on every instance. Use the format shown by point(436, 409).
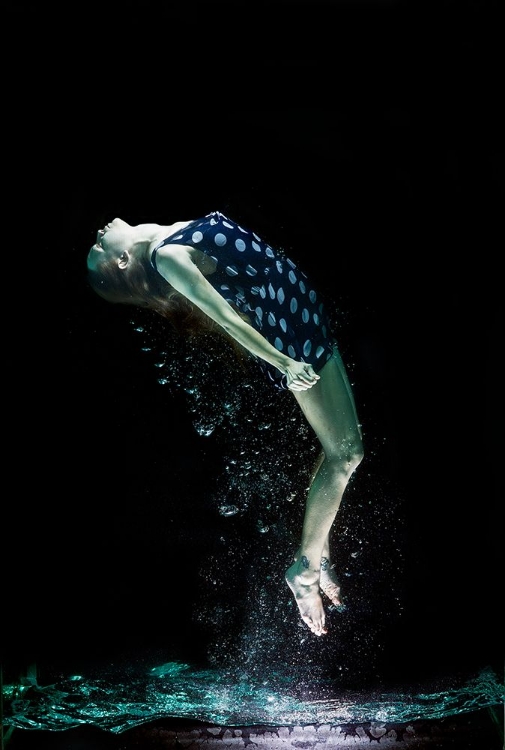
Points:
point(118, 701)
point(262, 666)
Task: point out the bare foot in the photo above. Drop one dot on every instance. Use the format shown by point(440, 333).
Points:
point(329, 584)
point(304, 583)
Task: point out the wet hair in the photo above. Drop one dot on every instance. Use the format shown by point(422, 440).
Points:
point(141, 286)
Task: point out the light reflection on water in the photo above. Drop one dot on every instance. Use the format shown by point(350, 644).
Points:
point(117, 702)
point(258, 505)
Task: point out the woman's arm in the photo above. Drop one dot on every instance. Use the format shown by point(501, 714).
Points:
point(177, 267)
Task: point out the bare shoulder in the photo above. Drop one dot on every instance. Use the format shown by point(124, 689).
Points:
point(168, 230)
point(184, 253)
point(178, 225)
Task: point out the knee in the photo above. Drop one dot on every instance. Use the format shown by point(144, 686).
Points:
point(346, 457)
point(358, 455)
point(354, 457)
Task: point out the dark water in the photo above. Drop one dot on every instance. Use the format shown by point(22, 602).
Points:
point(143, 552)
point(118, 701)
point(225, 645)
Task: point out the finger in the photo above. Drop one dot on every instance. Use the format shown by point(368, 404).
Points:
point(303, 380)
point(309, 374)
point(295, 387)
point(309, 378)
point(299, 385)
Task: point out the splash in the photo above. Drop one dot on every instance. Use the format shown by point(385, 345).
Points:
point(258, 504)
point(118, 702)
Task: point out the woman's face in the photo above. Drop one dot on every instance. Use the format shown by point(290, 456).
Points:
point(113, 242)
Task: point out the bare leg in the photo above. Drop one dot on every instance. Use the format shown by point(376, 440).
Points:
point(328, 580)
point(330, 410)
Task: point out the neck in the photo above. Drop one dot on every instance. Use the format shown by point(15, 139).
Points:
point(149, 232)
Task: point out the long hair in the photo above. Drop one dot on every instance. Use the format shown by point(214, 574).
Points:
point(141, 286)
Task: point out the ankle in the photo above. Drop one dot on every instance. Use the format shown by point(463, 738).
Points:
point(326, 564)
point(304, 571)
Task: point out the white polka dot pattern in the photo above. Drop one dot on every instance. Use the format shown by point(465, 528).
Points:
point(265, 285)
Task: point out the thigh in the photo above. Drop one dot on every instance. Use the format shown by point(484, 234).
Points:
point(330, 409)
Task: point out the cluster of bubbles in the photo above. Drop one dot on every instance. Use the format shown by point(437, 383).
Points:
point(263, 437)
point(269, 453)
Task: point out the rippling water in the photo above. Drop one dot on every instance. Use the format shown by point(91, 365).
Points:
point(117, 702)
point(263, 669)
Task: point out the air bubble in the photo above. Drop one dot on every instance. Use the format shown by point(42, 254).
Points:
point(228, 510)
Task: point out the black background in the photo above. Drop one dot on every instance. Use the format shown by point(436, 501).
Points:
point(365, 138)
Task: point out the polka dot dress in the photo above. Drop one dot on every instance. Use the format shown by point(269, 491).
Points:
point(276, 296)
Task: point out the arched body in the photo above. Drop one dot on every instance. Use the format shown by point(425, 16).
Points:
point(259, 298)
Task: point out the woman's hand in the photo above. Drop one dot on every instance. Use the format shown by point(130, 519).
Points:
point(300, 376)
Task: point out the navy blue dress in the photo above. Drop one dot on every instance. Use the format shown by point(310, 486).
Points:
point(278, 298)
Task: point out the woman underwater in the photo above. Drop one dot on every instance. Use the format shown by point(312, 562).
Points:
point(219, 274)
